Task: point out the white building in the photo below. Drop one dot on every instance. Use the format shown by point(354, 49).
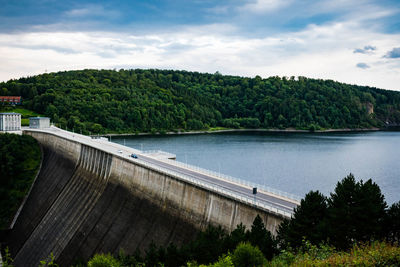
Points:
point(10, 122)
point(39, 122)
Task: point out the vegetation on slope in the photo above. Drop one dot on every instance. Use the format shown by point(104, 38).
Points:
point(25, 113)
point(19, 162)
point(368, 254)
point(160, 100)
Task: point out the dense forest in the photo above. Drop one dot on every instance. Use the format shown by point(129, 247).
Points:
point(19, 162)
point(100, 101)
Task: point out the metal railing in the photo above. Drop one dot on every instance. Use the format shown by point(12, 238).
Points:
point(164, 153)
point(270, 207)
point(266, 189)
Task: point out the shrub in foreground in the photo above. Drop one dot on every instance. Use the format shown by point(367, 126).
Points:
point(103, 260)
point(247, 255)
point(374, 254)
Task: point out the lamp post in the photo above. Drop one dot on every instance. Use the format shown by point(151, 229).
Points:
point(254, 193)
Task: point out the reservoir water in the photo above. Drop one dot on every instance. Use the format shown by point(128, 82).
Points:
point(292, 162)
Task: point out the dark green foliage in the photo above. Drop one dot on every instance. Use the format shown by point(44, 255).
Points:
point(153, 258)
point(208, 245)
point(130, 260)
point(174, 256)
point(236, 237)
point(141, 100)
point(371, 208)
point(392, 223)
point(260, 237)
point(246, 255)
point(355, 212)
point(49, 262)
point(308, 222)
point(19, 162)
point(6, 257)
point(342, 212)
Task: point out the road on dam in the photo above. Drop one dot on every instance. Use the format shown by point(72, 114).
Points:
point(280, 202)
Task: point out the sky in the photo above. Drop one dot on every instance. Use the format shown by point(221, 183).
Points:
point(356, 41)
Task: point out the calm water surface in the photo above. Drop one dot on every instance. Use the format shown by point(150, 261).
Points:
point(291, 162)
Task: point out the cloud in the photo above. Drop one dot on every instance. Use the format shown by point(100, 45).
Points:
point(264, 6)
point(318, 51)
point(366, 50)
point(362, 66)
point(394, 53)
point(92, 11)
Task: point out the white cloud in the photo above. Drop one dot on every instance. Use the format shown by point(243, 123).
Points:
point(91, 10)
point(265, 6)
point(317, 51)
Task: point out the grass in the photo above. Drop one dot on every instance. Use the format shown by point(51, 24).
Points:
point(24, 122)
point(25, 113)
point(212, 129)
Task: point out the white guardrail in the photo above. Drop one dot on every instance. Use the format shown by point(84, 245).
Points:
point(233, 194)
point(266, 189)
point(163, 153)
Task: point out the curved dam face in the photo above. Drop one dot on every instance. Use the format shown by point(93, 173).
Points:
point(85, 201)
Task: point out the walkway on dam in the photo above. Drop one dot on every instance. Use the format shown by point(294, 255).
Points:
point(280, 204)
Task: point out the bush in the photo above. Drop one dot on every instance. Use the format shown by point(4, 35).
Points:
point(246, 255)
point(49, 262)
point(103, 260)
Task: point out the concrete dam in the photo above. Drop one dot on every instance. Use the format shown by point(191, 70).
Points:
point(90, 198)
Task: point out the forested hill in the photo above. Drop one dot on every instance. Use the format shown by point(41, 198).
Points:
point(161, 100)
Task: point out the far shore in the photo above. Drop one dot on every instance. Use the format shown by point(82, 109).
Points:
point(289, 130)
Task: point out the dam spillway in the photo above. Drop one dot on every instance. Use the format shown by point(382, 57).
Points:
point(88, 199)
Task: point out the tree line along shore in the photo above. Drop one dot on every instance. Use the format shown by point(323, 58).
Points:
point(162, 101)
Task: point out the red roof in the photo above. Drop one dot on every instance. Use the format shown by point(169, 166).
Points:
point(10, 99)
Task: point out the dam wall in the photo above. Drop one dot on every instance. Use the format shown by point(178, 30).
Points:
point(86, 200)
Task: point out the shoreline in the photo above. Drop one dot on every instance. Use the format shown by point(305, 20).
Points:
point(343, 130)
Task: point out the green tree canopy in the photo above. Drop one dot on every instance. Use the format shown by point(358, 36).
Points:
point(141, 100)
point(308, 222)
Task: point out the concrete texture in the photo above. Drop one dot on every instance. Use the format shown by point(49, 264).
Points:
point(87, 201)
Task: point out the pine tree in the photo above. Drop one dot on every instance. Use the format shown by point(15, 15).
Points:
point(356, 212)
point(260, 237)
point(370, 212)
point(308, 222)
point(392, 223)
point(342, 210)
point(235, 237)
